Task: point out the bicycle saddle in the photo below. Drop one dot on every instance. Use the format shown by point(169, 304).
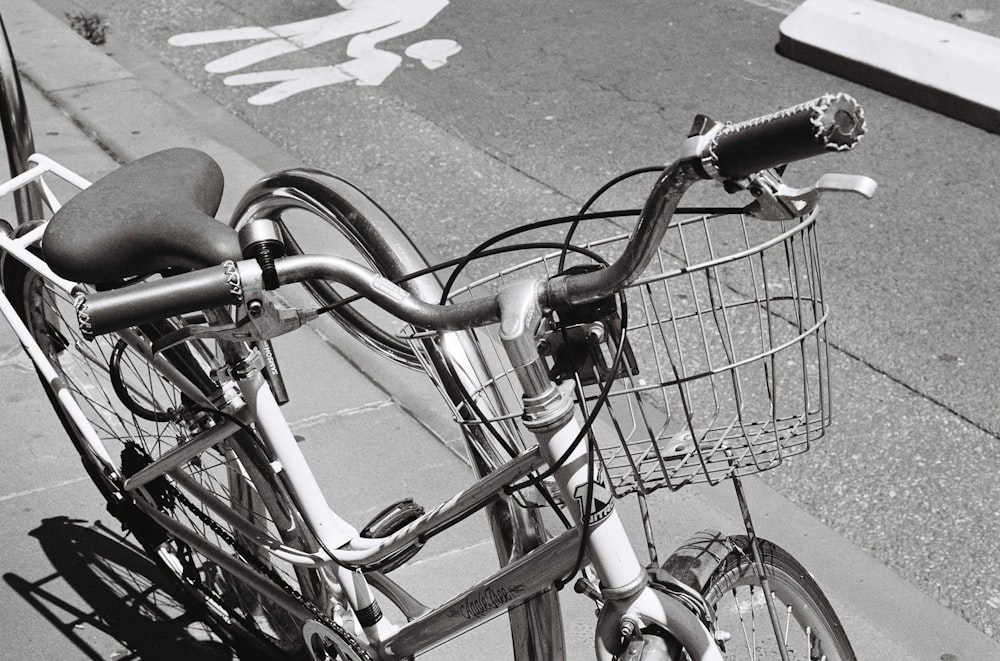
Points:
point(154, 214)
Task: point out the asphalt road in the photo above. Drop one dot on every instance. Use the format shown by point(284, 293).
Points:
point(553, 98)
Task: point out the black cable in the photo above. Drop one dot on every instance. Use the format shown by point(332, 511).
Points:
point(573, 220)
point(586, 429)
point(597, 195)
point(604, 395)
point(488, 425)
point(478, 250)
point(484, 252)
point(482, 249)
point(602, 399)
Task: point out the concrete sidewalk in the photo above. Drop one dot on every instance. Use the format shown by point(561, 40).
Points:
point(71, 578)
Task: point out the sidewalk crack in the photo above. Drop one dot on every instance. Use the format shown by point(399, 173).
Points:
point(321, 418)
point(15, 358)
point(936, 401)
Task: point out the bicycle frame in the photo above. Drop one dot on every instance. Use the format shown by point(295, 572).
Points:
point(511, 585)
point(624, 582)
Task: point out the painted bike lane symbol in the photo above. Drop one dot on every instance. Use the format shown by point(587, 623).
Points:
point(368, 23)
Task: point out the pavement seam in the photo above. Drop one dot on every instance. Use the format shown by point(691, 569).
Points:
point(454, 550)
point(16, 359)
point(412, 413)
point(321, 418)
point(913, 389)
point(56, 99)
point(29, 492)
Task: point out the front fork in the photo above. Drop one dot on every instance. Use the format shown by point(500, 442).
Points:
point(630, 605)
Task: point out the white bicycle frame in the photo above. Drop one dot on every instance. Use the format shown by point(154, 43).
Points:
point(628, 599)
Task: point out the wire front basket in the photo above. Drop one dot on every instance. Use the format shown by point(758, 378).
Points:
point(723, 368)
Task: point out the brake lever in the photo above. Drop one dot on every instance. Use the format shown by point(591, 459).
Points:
point(775, 200)
point(234, 332)
point(263, 322)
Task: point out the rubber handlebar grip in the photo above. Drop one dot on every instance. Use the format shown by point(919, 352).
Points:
point(833, 122)
point(109, 311)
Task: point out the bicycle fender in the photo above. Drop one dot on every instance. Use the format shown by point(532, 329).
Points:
point(696, 559)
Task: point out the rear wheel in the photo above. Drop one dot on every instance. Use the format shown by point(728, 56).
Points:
point(139, 415)
point(16, 129)
point(321, 213)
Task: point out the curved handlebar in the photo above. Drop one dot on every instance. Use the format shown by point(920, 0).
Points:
point(728, 152)
point(219, 286)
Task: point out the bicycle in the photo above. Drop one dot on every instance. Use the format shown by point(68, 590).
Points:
point(577, 379)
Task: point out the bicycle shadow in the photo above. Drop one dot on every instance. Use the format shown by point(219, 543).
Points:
point(122, 594)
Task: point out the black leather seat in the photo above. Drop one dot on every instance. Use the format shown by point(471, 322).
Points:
point(154, 214)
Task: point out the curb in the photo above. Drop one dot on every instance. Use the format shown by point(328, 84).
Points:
point(108, 101)
point(933, 64)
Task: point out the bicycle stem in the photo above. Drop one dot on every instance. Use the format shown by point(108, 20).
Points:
point(549, 413)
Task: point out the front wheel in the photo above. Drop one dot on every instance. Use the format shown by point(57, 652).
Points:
point(732, 589)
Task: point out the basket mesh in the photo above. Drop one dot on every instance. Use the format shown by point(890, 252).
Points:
point(725, 365)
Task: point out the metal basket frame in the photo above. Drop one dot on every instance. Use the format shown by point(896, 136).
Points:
point(726, 331)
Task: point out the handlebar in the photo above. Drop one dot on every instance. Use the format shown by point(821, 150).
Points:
point(232, 283)
point(727, 152)
point(832, 122)
point(106, 312)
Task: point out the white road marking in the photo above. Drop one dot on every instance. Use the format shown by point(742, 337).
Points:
point(367, 22)
point(781, 6)
point(433, 53)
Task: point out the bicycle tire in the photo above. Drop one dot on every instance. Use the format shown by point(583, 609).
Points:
point(335, 217)
point(725, 575)
point(307, 203)
point(133, 434)
point(16, 128)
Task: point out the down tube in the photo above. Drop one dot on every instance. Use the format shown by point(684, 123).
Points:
point(512, 585)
